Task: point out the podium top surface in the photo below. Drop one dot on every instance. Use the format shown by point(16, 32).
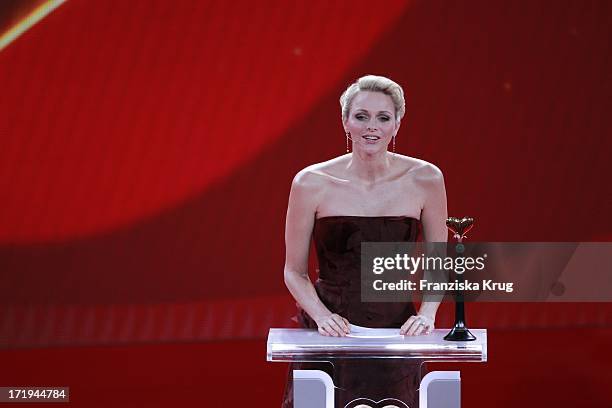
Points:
point(309, 345)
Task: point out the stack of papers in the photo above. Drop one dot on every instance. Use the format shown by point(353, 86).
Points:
point(359, 332)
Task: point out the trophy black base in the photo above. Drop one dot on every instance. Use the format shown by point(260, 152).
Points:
point(459, 333)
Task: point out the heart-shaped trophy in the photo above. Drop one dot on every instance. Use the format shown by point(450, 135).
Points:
point(459, 227)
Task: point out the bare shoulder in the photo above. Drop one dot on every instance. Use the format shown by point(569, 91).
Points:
point(320, 174)
point(420, 170)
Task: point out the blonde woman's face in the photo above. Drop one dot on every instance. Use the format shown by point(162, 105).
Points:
point(371, 121)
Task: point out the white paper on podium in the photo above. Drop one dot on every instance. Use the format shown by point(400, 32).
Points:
point(359, 332)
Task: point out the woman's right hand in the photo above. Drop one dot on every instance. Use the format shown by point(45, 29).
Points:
point(333, 325)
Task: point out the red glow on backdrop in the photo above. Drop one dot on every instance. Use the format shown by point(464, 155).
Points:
point(116, 110)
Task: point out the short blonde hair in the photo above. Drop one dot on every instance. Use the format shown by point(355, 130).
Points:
point(374, 83)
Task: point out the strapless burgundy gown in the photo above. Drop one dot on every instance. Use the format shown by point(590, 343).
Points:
point(338, 241)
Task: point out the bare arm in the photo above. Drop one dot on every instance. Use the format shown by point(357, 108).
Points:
point(433, 219)
point(301, 212)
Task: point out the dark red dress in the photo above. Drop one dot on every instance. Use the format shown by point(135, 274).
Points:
point(338, 241)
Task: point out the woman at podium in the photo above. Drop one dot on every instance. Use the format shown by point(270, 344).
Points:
point(370, 194)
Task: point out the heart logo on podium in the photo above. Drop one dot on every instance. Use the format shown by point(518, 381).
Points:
point(368, 403)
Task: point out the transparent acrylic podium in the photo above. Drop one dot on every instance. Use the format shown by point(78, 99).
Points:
point(315, 388)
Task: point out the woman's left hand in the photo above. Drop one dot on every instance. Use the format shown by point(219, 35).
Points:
point(419, 324)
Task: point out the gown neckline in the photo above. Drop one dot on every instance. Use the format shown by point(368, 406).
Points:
point(367, 217)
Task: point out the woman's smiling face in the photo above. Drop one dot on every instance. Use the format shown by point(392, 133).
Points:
point(371, 121)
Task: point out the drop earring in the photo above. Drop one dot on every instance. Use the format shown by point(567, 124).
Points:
point(348, 136)
point(394, 145)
